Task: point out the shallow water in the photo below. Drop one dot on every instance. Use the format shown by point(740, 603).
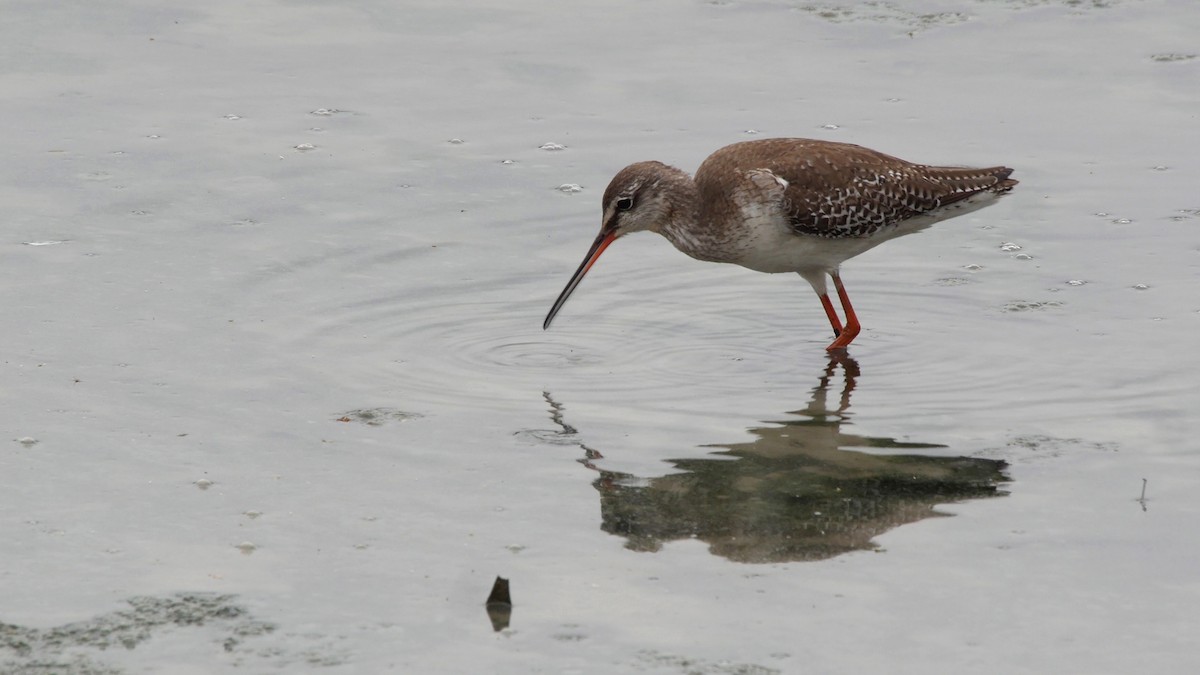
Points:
point(278, 398)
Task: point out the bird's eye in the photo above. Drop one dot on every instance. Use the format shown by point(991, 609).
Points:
point(624, 203)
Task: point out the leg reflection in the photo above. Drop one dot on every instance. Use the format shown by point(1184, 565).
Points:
point(801, 489)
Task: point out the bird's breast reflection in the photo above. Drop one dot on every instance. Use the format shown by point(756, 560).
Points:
point(798, 491)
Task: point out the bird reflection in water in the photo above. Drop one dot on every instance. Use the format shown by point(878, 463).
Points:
point(798, 491)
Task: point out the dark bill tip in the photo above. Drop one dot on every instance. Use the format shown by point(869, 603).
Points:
point(593, 254)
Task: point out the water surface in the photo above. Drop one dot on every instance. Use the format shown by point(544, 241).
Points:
point(277, 396)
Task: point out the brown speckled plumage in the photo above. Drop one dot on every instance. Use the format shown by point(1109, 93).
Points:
point(789, 205)
point(841, 190)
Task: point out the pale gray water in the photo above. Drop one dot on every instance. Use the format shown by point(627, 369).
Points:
point(276, 396)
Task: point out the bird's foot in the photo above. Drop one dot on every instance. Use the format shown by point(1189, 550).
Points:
point(844, 338)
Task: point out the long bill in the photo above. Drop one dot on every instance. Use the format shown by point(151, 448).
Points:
point(593, 254)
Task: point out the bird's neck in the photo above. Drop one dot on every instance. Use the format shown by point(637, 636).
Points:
point(686, 225)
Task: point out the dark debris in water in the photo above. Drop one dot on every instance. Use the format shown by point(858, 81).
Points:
point(377, 416)
point(1080, 4)
point(500, 594)
point(548, 436)
point(655, 659)
point(1054, 445)
point(499, 605)
point(77, 665)
point(883, 12)
point(55, 650)
point(1172, 57)
point(1031, 305)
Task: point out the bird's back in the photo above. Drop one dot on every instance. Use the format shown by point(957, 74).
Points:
point(839, 190)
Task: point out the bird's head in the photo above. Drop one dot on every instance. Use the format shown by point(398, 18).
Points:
point(638, 198)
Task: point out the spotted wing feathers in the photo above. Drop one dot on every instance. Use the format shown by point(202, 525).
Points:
point(859, 199)
point(838, 190)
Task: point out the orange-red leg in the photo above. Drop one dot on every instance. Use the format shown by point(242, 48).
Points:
point(852, 328)
point(829, 312)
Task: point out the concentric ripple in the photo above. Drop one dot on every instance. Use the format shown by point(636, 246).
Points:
point(479, 342)
point(453, 326)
